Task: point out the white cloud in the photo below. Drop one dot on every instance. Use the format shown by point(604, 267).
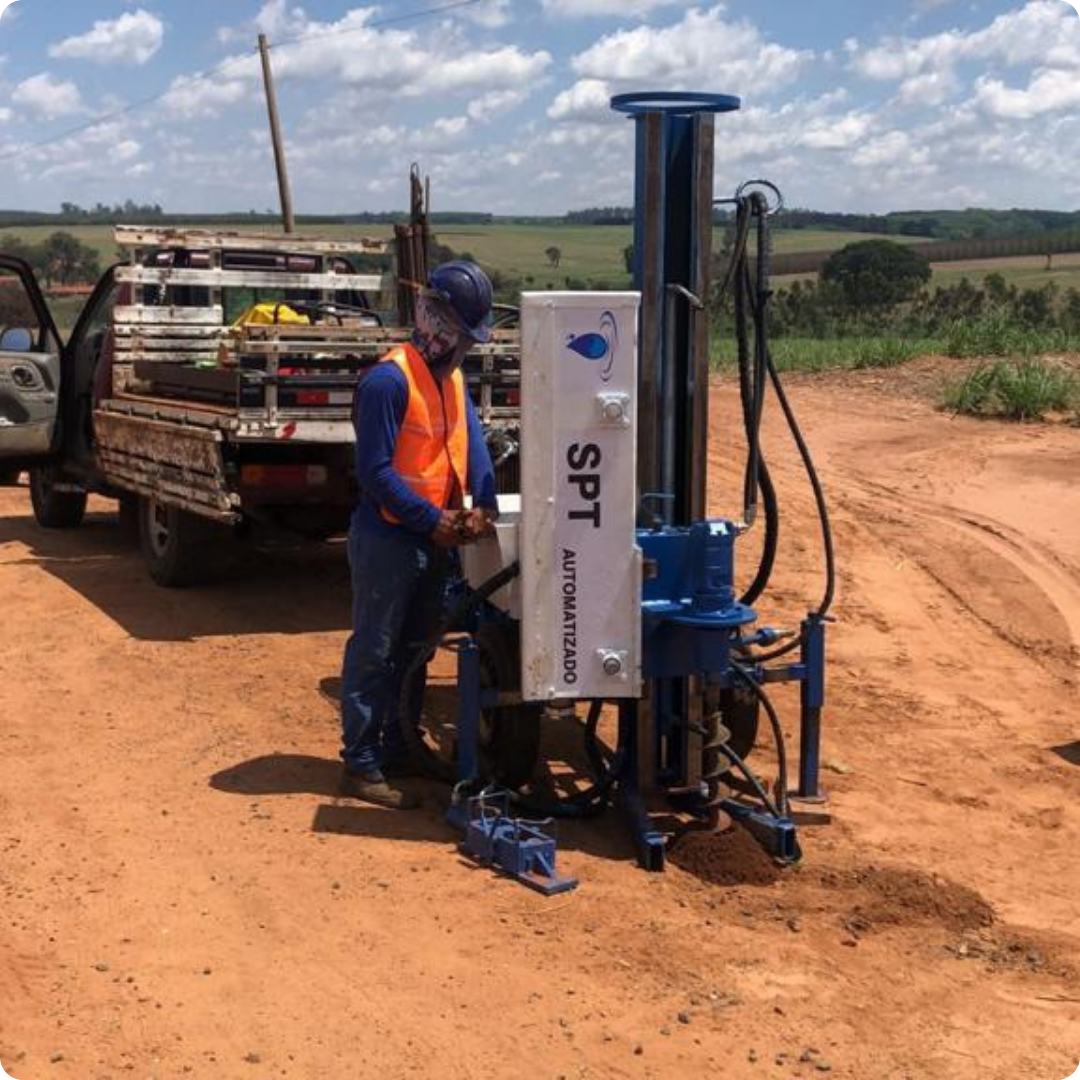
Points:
point(587, 99)
point(701, 50)
point(891, 150)
point(1048, 92)
point(579, 9)
point(204, 96)
point(48, 97)
point(491, 14)
point(482, 70)
point(134, 38)
point(835, 133)
point(125, 150)
point(496, 103)
point(450, 127)
point(1043, 33)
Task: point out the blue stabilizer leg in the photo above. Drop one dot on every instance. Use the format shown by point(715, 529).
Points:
point(651, 845)
point(468, 730)
point(812, 699)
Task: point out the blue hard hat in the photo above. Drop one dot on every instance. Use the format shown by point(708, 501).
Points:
point(467, 289)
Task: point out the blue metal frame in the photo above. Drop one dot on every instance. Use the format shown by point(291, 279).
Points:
point(519, 848)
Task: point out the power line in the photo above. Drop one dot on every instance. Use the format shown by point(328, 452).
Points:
point(116, 114)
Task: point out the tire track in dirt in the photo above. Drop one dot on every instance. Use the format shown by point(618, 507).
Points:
point(1051, 583)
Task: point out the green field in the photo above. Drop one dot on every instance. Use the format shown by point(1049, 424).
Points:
point(591, 256)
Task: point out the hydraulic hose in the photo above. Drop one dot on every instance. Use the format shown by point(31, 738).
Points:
point(756, 475)
point(778, 737)
point(751, 305)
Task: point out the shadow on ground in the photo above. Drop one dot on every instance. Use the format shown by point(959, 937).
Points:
point(1069, 752)
point(268, 586)
point(605, 836)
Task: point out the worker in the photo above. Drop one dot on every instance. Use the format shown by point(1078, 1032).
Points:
point(419, 451)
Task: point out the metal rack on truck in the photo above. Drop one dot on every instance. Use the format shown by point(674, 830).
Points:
point(208, 385)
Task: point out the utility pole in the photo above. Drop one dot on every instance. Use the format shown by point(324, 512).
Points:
point(275, 136)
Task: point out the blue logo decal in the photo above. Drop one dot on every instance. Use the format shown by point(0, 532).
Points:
point(598, 345)
point(591, 346)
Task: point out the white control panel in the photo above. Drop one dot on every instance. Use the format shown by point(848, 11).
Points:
point(580, 565)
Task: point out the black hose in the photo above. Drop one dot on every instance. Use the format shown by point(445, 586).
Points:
point(752, 780)
point(778, 736)
point(755, 296)
point(751, 391)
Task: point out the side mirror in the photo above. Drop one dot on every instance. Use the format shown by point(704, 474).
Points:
point(16, 339)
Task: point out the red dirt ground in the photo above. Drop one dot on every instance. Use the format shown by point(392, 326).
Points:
point(184, 895)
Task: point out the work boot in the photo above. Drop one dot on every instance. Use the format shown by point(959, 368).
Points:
point(371, 786)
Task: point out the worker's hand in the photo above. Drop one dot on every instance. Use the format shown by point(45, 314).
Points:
point(449, 532)
point(478, 523)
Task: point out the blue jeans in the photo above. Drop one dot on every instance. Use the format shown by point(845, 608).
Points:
point(398, 586)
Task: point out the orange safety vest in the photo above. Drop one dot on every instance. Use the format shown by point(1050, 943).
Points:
point(432, 451)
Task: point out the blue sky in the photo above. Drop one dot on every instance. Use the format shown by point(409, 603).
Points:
point(900, 104)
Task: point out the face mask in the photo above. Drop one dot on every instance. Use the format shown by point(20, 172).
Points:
point(439, 335)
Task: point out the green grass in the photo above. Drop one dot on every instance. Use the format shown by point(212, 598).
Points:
point(849, 354)
point(994, 335)
point(1024, 389)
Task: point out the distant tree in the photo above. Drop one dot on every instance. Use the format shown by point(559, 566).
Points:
point(628, 258)
point(875, 273)
point(66, 259)
point(554, 256)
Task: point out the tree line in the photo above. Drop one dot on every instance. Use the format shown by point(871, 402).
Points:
point(880, 287)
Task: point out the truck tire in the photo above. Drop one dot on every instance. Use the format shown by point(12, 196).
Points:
point(55, 507)
point(9, 477)
point(177, 546)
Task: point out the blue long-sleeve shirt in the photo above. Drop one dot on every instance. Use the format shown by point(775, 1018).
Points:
point(378, 412)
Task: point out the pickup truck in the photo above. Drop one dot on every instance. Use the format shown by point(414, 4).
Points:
point(207, 386)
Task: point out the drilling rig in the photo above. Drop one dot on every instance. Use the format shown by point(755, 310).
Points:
point(609, 597)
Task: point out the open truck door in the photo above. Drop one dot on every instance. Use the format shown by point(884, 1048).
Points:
point(30, 372)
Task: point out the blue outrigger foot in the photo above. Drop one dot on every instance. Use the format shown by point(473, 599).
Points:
point(519, 848)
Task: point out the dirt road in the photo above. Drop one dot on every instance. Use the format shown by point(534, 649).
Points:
point(182, 893)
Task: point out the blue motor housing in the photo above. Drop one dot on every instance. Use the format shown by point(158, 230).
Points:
point(689, 614)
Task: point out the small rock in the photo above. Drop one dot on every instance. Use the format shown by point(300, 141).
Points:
point(751, 1056)
point(57, 1057)
point(253, 1058)
point(639, 1049)
point(665, 1030)
point(823, 1065)
point(795, 926)
point(101, 967)
point(684, 1018)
